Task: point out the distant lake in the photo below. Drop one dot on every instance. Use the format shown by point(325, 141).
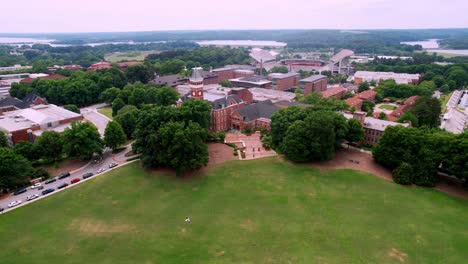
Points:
point(246, 43)
point(455, 52)
point(426, 44)
point(20, 41)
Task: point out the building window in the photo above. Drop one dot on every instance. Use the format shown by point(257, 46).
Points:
point(49, 124)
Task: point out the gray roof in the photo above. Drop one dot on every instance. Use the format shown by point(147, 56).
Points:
point(223, 102)
point(263, 109)
point(9, 101)
point(283, 75)
point(170, 80)
point(313, 78)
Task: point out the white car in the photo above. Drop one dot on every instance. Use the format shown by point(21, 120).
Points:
point(101, 170)
point(32, 197)
point(112, 165)
point(37, 185)
point(14, 203)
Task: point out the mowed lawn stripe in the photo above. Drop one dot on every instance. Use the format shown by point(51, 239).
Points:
point(260, 211)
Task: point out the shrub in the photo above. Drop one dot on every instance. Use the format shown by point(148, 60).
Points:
point(403, 174)
point(235, 153)
point(40, 173)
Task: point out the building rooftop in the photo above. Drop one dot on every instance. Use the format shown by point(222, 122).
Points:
point(283, 75)
point(376, 124)
point(260, 55)
point(259, 110)
point(35, 115)
point(259, 80)
point(313, 78)
point(332, 91)
point(262, 94)
point(170, 80)
point(455, 121)
point(400, 78)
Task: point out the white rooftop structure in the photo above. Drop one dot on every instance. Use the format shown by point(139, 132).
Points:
point(376, 124)
point(15, 67)
point(260, 55)
point(262, 94)
point(45, 116)
point(455, 120)
point(400, 78)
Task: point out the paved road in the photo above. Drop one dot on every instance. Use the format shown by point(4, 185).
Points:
point(93, 168)
point(99, 120)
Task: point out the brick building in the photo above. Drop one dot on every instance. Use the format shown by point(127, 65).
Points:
point(358, 99)
point(29, 123)
point(29, 80)
point(123, 66)
point(373, 127)
point(251, 82)
point(402, 109)
point(227, 73)
point(337, 92)
point(400, 78)
point(255, 115)
point(284, 81)
point(314, 83)
point(99, 66)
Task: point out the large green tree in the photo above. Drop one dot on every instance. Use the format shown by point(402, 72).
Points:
point(355, 131)
point(142, 73)
point(49, 145)
point(128, 120)
point(73, 108)
point(282, 120)
point(197, 111)
point(14, 170)
point(27, 150)
point(3, 139)
point(109, 95)
point(427, 111)
point(114, 135)
point(166, 96)
point(82, 140)
point(117, 104)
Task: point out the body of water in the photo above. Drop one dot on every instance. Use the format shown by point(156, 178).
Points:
point(32, 41)
point(446, 51)
point(426, 44)
point(243, 43)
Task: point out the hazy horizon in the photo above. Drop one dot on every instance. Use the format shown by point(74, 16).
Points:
point(87, 16)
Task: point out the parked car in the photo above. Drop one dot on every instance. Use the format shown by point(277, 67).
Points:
point(47, 191)
point(37, 185)
point(1, 210)
point(31, 197)
point(50, 181)
point(62, 186)
point(75, 180)
point(40, 187)
point(14, 203)
point(113, 164)
point(87, 175)
point(101, 170)
point(20, 191)
point(64, 175)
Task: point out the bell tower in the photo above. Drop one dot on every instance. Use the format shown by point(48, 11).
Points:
point(196, 84)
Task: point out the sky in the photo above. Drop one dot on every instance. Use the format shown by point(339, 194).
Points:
point(38, 16)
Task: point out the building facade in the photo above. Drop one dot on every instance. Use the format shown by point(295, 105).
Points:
point(284, 81)
point(314, 84)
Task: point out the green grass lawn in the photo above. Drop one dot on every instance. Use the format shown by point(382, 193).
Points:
point(128, 56)
point(387, 107)
point(262, 211)
point(107, 111)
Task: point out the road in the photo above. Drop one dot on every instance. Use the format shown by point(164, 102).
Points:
point(108, 158)
point(92, 115)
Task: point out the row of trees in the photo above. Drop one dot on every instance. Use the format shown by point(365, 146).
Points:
point(416, 154)
point(173, 137)
point(308, 134)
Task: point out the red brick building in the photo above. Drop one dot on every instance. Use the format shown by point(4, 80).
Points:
point(314, 83)
point(254, 115)
point(243, 93)
point(99, 66)
point(337, 92)
point(252, 82)
point(29, 80)
point(358, 99)
point(284, 81)
point(123, 66)
point(402, 109)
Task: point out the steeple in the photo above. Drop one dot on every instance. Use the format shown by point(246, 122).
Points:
point(196, 84)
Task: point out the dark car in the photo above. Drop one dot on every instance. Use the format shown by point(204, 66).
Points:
point(47, 191)
point(40, 187)
point(64, 175)
point(1, 210)
point(20, 191)
point(62, 186)
point(50, 181)
point(87, 175)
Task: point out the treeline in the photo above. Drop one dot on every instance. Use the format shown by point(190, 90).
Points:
point(172, 62)
point(415, 155)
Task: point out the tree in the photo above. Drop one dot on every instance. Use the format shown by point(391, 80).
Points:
point(408, 117)
point(364, 86)
point(282, 120)
point(197, 111)
point(73, 108)
point(137, 97)
point(355, 131)
point(127, 108)
point(166, 96)
point(226, 83)
point(114, 135)
point(368, 106)
point(49, 145)
point(109, 95)
point(117, 104)
point(82, 140)
point(3, 139)
point(141, 72)
point(14, 169)
point(27, 150)
point(279, 69)
point(403, 174)
point(427, 111)
point(128, 121)
point(382, 116)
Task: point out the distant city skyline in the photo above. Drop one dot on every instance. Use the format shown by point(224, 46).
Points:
point(51, 16)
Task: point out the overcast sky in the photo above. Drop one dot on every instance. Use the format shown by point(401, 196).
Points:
point(28, 16)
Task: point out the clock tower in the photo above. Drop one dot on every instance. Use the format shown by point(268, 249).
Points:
point(196, 84)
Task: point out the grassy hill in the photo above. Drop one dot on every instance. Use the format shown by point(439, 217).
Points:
point(262, 211)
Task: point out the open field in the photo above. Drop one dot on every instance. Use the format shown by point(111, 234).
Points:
point(259, 211)
point(128, 56)
point(387, 107)
point(107, 111)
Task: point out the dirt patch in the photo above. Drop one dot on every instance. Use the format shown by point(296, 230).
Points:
point(183, 232)
point(219, 153)
point(219, 254)
point(66, 166)
point(395, 253)
point(249, 225)
point(98, 228)
point(355, 160)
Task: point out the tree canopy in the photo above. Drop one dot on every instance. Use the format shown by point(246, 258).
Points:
point(114, 135)
point(82, 140)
